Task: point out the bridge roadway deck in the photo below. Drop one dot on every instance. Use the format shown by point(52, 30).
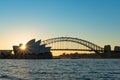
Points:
point(71, 50)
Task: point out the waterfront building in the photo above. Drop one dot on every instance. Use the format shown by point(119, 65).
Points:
point(33, 47)
point(5, 52)
point(117, 48)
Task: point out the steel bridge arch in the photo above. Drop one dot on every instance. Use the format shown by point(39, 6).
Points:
point(90, 45)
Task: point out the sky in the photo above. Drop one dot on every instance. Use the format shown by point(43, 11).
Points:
point(97, 21)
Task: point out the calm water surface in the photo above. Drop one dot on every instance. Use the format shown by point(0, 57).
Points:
point(60, 69)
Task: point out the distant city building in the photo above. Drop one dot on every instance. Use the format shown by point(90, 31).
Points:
point(32, 47)
point(117, 48)
point(5, 52)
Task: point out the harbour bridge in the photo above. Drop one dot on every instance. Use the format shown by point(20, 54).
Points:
point(67, 44)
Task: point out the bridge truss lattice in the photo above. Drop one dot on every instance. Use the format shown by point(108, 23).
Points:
point(90, 45)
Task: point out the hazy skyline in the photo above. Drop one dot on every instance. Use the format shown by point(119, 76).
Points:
point(97, 21)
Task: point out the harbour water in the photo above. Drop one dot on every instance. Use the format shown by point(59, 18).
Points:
point(60, 69)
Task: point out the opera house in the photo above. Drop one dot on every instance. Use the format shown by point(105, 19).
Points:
point(33, 49)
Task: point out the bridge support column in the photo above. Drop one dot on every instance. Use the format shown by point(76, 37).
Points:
point(107, 51)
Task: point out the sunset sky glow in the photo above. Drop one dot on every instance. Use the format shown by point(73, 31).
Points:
point(97, 21)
